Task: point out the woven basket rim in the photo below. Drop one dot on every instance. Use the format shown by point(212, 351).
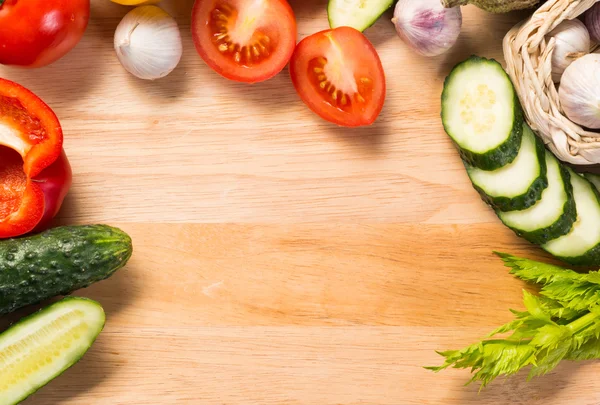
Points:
point(528, 53)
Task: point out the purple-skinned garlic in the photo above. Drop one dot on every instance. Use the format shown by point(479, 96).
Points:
point(427, 26)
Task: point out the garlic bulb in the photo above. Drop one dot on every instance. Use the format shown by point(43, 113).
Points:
point(572, 41)
point(579, 91)
point(427, 26)
point(592, 22)
point(148, 43)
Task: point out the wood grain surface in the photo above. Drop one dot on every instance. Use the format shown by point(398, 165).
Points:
point(279, 259)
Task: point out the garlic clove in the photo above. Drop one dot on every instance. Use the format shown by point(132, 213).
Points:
point(572, 41)
point(579, 91)
point(427, 26)
point(148, 43)
point(592, 22)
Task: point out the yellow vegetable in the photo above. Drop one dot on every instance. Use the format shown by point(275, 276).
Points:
point(135, 2)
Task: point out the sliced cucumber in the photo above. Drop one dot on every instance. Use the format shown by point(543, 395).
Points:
point(553, 216)
point(581, 246)
point(482, 114)
point(358, 14)
point(594, 179)
point(518, 185)
point(42, 346)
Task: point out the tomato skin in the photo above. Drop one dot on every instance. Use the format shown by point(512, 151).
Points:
point(36, 33)
point(278, 21)
point(359, 60)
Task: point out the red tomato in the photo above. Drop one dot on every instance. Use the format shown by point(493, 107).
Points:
point(339, 75)
point(244, 40)
point(36, 33)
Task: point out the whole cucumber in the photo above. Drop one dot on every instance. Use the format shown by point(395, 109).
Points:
point(58, 262)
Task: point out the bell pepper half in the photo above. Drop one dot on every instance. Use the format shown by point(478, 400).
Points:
point(35, 175)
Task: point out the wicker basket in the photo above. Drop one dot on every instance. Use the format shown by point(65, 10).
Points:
point(528, 58)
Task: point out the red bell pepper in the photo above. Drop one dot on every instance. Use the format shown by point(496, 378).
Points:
point(35, 175)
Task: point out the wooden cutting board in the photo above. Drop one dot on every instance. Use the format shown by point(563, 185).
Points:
point(279, 259)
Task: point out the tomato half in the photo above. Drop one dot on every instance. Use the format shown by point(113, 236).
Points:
point(36, 33)
point(338, 75)
point(244, 40)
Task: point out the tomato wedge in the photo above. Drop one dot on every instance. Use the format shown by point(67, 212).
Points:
point(244, 40)
point(338, 75)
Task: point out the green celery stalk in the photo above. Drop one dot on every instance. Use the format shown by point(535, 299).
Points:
point(562, 323)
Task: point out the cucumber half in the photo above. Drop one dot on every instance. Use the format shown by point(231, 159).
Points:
point(553, 216)
point(42, 346)
point(358, 14)
point(518, 185)
point(482, 114)
point(581, 246)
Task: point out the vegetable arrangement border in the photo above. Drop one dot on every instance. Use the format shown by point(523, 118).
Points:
point(338, 74)
point(528, 55)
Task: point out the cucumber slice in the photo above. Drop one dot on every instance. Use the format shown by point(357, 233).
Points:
point(482, 114)
point(358, 14)
point(42, 346)
point(518, 185)
point(553, 216)
point(594, 179)
point(581, 246)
